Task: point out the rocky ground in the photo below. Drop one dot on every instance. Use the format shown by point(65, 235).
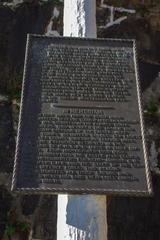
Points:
point(34, 217)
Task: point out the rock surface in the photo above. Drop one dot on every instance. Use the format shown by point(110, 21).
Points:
point(16, 21)
point(135, 219)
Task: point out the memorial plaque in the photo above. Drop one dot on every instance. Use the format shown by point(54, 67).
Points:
point(81, 126)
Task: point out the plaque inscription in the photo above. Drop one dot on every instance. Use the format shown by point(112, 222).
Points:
point(81, 126)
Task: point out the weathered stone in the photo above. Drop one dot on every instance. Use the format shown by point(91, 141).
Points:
point(15, 23)
point(5, 205)
point(135, 219)
point(7, 141)
point(45, 217)
point(29, 204)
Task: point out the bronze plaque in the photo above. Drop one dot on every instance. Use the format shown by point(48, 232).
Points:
point(81, 126)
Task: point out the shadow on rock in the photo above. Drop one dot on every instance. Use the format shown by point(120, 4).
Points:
point(135, 218)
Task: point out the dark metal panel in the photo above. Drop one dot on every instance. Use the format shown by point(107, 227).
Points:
point(81, 126)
